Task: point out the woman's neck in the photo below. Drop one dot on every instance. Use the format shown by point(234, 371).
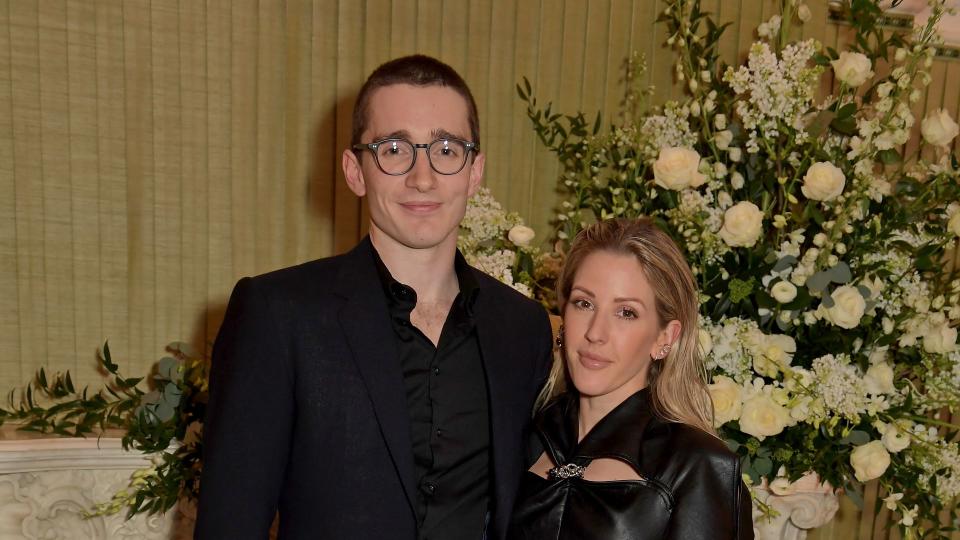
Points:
point(595, 408)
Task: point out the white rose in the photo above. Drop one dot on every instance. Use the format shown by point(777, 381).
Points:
point(852, 68)
point(938, 128)
point(783, 291)
point(725, 394)
point(823, 182)
point(940, 339)
point(879, 379)
point(678, 168)
point(895, 439)
point(954, 224)
point(762, 417)
point(779, 348)
point(869, 461)
point(521, 235)
point(742, 225)
point(735, 154)
point(720, 121)
point(848, 307)
point(803, 13)
point(705, 341)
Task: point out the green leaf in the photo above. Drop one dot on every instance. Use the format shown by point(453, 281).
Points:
point(856, 438)
point(740, 289)
point(785, 262)
point(889, 156)
point(107, 361)
point(840, 273)
point(746, 467)
point(854, 491)
point(845, 126)
point(763, 466)
point(818, 282)
point(846, 111)
point(732, 444)
point(167, 367)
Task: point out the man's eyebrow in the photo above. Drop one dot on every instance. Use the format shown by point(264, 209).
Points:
point(441, 133)
point(398, 134)
point(438, 133)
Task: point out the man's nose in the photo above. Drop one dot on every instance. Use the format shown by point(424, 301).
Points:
point(421, 177)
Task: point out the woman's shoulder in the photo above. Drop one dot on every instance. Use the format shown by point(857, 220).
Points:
point(676, 450)
point(690, 441)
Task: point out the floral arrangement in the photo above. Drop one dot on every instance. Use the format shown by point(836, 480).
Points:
point(829, 322)
point(500, 244)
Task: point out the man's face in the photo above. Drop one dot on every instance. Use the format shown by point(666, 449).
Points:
point(421, 209)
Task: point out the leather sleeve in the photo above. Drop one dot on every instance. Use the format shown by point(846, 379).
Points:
point(712, 502)
point(246, 433)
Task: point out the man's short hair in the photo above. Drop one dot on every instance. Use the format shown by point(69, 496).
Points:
point(416, 70)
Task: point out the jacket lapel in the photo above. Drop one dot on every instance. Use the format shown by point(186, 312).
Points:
point(365, 321)
point(496, 354)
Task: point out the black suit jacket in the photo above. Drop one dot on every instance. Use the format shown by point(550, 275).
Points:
point(307, 411)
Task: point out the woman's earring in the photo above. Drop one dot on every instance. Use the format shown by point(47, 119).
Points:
point(558, 339)
point(662, 353)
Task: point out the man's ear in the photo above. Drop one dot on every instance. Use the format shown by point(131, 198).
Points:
point(353, 173)
point(476, 173)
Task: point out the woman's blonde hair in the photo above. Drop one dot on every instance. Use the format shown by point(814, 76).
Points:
point(678, 387)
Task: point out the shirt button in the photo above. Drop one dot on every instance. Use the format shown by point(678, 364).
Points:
point(430, 488)
point(439, 433)
point(436, 371)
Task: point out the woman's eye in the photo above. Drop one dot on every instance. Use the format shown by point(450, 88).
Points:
point(627, 313)
point(580, 303)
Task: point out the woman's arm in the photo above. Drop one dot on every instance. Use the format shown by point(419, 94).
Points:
point(711, 502)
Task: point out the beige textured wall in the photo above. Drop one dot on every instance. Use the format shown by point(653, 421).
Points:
point(154, 151)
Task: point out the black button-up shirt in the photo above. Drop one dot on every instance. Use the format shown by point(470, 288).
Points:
point(447, 400)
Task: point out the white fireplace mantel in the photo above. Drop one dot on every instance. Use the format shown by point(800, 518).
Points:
point(47, 483)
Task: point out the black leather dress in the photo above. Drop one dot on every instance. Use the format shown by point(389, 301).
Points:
point(690, 486)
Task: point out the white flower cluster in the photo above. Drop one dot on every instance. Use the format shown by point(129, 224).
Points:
point(841, 386)
point(724, 346)
point(667, 130)
point(498, 264)
point(781, 90)
point(941, 385)
point(491, 239)
point(937, 459)
point(698, 219)
point(484, 220)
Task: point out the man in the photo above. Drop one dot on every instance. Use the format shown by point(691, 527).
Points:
point(383, 393)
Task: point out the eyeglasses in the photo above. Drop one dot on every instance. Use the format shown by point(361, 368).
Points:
point(397, 156)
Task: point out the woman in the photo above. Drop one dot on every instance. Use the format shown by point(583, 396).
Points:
point(630, 452)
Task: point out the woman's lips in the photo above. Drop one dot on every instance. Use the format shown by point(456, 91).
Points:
point(592, 361)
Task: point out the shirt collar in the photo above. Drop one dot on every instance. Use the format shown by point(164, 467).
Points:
point(401, 295)
point(619, 434)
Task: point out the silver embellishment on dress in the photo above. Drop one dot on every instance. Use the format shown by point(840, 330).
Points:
point(570, 470)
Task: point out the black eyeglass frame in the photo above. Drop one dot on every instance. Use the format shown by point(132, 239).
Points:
point(372, 147)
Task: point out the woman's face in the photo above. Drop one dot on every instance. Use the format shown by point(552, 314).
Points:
point(611, 328)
